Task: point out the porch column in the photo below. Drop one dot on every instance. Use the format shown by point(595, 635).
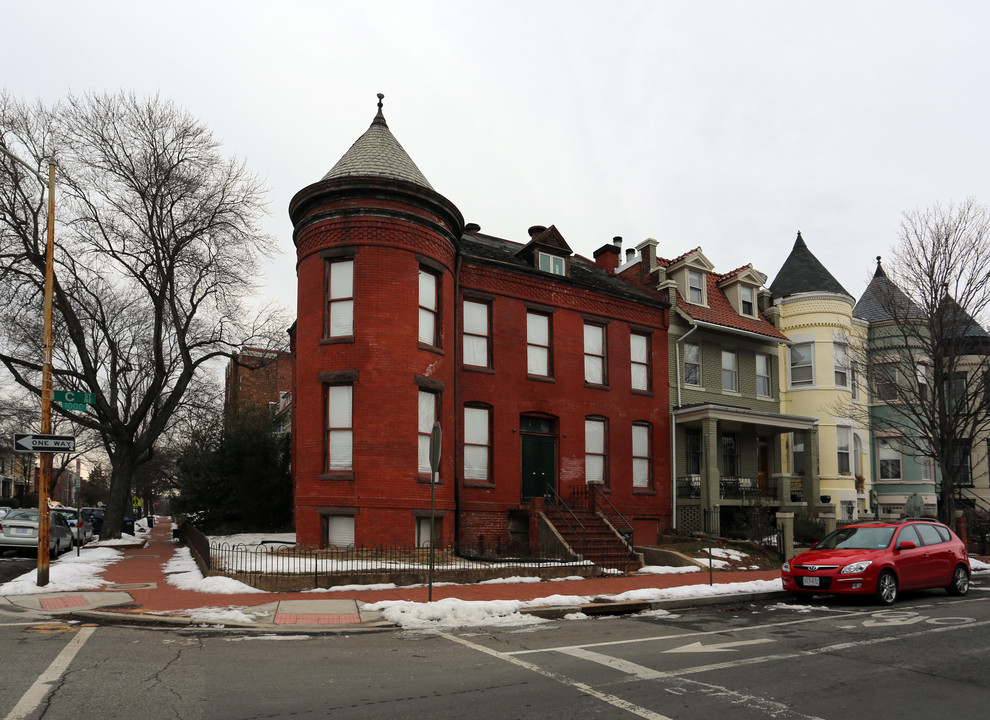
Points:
point(812, 485)
point(710, 474)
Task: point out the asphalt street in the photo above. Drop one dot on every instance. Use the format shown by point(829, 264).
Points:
point(927, 656)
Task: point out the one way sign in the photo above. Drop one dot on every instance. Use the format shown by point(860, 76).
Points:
point(43, 443)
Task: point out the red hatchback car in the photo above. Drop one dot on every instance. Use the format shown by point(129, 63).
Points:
point(880, 559)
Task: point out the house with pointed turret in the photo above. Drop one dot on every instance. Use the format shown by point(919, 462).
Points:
point(818, 379)
point(542, 374)
point(902, 473)
point(725, 396)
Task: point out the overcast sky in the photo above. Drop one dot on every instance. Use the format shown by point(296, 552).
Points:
point(724, 125)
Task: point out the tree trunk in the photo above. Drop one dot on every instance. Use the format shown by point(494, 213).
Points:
point(123, 465)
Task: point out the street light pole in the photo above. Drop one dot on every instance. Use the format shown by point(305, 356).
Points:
point(45, 471)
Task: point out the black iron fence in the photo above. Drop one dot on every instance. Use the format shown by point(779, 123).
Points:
point(279, 565)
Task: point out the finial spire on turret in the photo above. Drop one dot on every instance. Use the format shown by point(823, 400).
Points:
point(380, 117)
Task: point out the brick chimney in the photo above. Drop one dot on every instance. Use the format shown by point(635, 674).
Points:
point(608, 257)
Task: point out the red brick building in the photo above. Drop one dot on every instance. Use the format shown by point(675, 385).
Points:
point(257, 378)
point(545, 372)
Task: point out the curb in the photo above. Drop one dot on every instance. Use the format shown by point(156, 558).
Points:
point(595, 609)
point(592, 609)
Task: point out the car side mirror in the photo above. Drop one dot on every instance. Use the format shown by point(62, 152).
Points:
point(906, 545)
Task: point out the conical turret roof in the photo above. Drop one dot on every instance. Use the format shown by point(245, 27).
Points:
point(883, 300)
point(802, 273)
point(378, 154)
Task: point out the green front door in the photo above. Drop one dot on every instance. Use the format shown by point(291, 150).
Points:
point(539, 463)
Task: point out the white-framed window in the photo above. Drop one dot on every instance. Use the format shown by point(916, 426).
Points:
point(730, 373)
point(960, 463)
point(841, 352)
point(429, 295)
point(595, 455)
point(642, 455)
point(339, 320)
point(538, 344)
point(477, 334)
point(553, 264)
point(639, 355)
point(763, 366)
point(843, 439)
point(730, 456)
point(886, 380)
point(692, 364)
point(889, 459)
point(339, 443)
point(923, 391)
point(340, 531)
point(424, 533)
point(802, 364)
point(747, 300)
point(925, 465)
point(477, 443)
point(797, 453)
point(955, 392)
point(594, 354)
point(696, 287)
point(427, 416)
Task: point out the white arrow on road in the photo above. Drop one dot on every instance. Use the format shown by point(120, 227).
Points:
point(697, 647)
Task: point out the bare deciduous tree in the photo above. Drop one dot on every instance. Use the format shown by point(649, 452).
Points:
point(928, 360)
point(157, 247)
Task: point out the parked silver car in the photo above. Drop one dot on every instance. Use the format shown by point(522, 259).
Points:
point(19, 530)
point(71, 515)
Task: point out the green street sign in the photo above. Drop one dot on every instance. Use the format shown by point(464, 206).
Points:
point(77, 407)
point(73, 397)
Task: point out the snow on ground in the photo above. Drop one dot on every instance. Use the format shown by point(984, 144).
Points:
point(452, 613)
point(183, 572)
point(668, 569)
point(68, 573)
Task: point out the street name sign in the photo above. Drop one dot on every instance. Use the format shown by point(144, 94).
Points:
point(44, 443)
point(73, 400)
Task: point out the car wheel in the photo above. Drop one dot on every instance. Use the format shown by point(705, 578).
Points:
point(53, 553)
point(960, 581)
point(886, 587)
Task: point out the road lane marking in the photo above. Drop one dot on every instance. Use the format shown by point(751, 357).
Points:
point(699, 633)
point(612, 700)
point(697, 647)
point(35, 695)
point(772, 708)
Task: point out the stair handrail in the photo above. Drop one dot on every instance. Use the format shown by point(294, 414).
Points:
point(970, 494)
point(555, 500)
point(597, 495)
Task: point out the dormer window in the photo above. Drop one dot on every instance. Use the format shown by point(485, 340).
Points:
point(747, 301)
point(551, 263)
point(696, 287)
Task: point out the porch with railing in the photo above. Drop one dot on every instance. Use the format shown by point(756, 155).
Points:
point(730, 488)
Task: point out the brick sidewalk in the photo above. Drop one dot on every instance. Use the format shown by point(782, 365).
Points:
point(141, 573)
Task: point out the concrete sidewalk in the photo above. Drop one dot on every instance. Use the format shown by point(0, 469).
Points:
point(138, 590)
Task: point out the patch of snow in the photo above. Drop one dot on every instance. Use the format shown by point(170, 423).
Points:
point(669, 569)
point(68, 573)
point(182, 572)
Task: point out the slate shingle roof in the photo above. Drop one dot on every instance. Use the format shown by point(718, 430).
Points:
point(378, 154)
point(883, 300)
point(802, 272)
point(581, 271)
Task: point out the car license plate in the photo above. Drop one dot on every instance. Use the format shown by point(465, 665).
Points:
point(811, 581)
point(21, 531)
